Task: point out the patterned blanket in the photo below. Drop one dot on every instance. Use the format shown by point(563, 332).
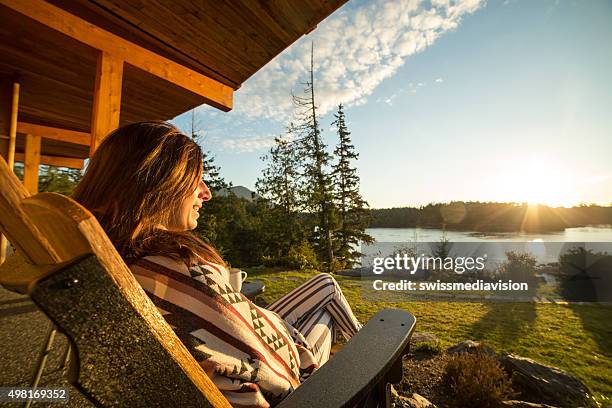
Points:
point(253, 356)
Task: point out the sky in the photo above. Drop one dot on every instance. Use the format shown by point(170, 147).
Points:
point(467, 100)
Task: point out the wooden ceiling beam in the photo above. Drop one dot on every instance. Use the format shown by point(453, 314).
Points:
point(53, 133)
point(213, 92)
point(56, 161)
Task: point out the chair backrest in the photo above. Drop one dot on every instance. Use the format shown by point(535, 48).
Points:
point(127, 354)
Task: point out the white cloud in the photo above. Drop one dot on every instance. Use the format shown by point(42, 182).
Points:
point(439, 80)
point(248, 144)
point(389, 99)
point(355, 50)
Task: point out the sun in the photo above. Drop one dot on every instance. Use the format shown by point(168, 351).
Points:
point(539, 180)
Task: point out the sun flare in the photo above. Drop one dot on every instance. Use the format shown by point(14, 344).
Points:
point(539, 181)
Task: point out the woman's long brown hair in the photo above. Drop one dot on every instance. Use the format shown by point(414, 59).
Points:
point(135, 183)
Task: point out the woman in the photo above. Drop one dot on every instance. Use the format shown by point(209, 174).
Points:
point(144, 185)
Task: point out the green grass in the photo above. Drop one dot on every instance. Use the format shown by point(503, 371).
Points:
point(576, 338)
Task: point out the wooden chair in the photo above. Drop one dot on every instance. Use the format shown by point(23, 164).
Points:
point(250, 289)
point(125, 354)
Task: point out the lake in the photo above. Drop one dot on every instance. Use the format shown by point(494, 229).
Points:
point(546, 247)
point(581, 234)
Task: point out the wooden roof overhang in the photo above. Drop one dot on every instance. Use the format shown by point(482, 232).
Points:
point(85, 67)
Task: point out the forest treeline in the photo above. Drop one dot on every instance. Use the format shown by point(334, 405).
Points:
point(491, 217)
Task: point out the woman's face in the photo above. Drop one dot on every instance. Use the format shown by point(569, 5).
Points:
point(187, 217)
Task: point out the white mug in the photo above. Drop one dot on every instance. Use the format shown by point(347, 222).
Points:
point(236, 277)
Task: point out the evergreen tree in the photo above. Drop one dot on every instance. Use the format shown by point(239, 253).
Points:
point(278, 183)
point(278, 187)
point(442, 250)
point(353, 212)
point(316, 186)
point(58, 179)
point(214, 214)
point(54, 179)
point(212, 176)
point(212, 172)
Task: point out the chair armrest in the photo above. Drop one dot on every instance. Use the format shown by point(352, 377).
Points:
point(252, 289)
point(371, 356)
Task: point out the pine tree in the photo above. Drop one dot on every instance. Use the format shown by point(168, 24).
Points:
point(279, 179)
point(58, 179)
point(212, 175)
point(316, 186)
point(278, 187)
point(54, 179)
point(353, 213)
point(212, 172)
point(442, 250)
point(213, 215)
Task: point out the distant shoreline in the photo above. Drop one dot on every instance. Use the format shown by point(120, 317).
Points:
point(484, 231)
point(491, 217)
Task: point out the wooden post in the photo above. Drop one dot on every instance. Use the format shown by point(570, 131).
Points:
point(31, 162)
point(107, 98)
point(13, 126)
point(6, 101)
point(10, 152)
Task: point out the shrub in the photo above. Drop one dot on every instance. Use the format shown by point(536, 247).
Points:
point(477, 380)
point(585, 275)
point(428, 347)
point(520, 266)
point(301, 257)
point(580, 260)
